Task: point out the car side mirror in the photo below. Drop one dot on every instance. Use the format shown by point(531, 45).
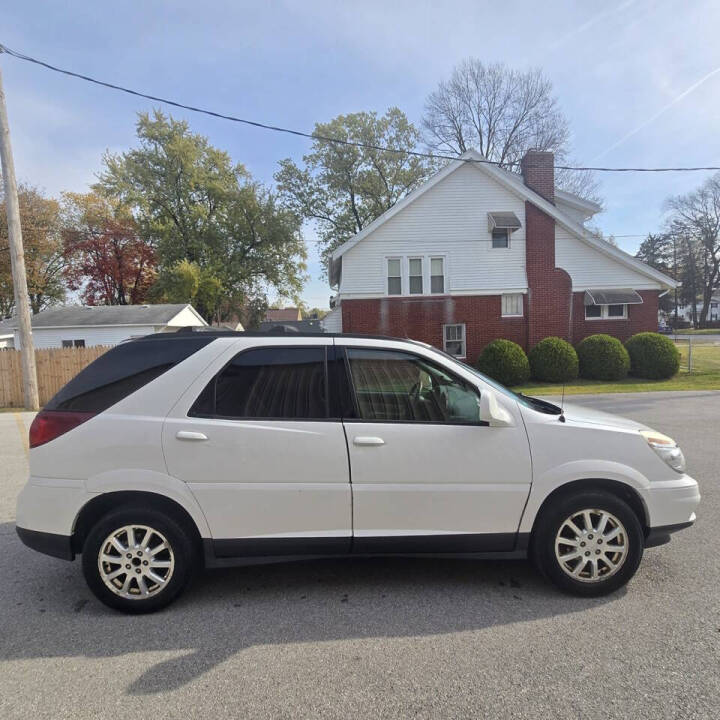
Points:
point(492, 412)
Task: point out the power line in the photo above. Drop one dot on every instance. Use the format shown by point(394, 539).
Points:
point(316, 136)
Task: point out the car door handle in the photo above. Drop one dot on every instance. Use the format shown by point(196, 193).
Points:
point(189, 435)
point(368, 440)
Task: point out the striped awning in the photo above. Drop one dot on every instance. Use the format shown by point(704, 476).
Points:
point(614, 296)
point(503, 221)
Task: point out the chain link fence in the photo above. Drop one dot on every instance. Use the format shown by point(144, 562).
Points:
point(699, 354)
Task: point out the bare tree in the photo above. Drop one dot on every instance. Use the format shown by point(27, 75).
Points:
point(695, 220)
point(501, 113)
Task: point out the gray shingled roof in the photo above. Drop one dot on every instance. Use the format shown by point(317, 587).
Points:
point(75, 316)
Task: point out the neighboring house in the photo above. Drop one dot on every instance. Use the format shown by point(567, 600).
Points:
point(84, 326)
point(479, 253)
point(685, 311)
point(7, 334)
point(301, 326)
point(283, 315)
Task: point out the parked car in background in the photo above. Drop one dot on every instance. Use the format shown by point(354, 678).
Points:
point(184, 450)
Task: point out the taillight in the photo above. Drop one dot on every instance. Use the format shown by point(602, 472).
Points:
point(50, 424)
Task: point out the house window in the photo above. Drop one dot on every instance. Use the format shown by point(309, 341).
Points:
point(605, 312)
point(501, 238)
point(415, 276)
point(67, 343)
point(454, 340)
point(437, 276)
point(512, 305)
point(394, 276)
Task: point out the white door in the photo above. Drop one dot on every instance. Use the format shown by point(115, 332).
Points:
point(259, 451)
point(427, 475)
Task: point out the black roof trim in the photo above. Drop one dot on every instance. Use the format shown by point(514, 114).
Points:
point(221, 332)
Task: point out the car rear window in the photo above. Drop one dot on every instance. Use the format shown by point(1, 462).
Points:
point(123, 370)
point(272, 383)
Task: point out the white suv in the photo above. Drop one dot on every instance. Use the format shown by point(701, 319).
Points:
point(174, 452)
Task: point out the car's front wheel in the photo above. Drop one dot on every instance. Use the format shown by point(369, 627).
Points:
point(137, 559)
point(589, 544)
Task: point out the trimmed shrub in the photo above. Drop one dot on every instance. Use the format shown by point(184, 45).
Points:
point(553, 360)
point(652, 356)
point(504, 361)
point(602, 357)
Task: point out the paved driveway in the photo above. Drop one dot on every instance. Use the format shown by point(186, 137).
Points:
point(380, 638)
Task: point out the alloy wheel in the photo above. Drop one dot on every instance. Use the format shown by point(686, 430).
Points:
point(591, 545)
point(136, 562)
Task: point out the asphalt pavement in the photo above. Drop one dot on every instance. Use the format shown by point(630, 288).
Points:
point(377, 638)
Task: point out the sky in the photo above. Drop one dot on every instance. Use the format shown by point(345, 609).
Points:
point(638, 80)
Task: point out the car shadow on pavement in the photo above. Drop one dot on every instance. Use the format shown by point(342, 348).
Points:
point(46, 611)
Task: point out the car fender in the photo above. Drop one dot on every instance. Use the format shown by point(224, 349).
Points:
point(575, 470)
point(153, 482)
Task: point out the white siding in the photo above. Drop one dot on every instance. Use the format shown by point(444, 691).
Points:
point(332, 322)
point(573, 213)
point(450, 219)
point(186, 318)
point(109, 335)
point(590, 268)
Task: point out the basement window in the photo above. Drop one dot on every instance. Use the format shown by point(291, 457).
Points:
point(454, 340)
point(512, 305)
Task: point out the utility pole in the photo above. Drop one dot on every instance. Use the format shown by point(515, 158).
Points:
point(17, 260)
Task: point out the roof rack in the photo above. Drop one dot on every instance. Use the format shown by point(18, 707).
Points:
point(224, 332)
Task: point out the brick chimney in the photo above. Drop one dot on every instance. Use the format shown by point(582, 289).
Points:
point(539, 174)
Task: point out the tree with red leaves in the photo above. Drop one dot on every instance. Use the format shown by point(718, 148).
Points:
point(107, 259)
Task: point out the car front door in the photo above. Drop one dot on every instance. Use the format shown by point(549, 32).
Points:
point(427, 474)
point(254, 441)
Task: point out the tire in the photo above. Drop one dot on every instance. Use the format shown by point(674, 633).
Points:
point(152, 569)
point(587, 562)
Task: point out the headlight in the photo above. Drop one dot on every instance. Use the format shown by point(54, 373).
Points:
point(666, 448)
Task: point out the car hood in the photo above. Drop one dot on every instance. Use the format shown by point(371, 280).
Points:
point(580, 414)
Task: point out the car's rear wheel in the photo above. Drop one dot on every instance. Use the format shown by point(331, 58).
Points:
point(137, 559)
point(588, 544)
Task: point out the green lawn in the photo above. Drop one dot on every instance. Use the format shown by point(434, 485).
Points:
point(705, 376)
point(707, 331)
point(682, 381)
point(706, 358)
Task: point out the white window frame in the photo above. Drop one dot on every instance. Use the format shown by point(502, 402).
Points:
point(426, 265)
point(502, 305)
point(443, 260)
point(388, 276)
point(421, 259)
point(604, 313)
point(463, 340)
point(509, 239)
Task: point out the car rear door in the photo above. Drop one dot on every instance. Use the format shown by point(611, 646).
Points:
point(254, 440)
point(427, 474)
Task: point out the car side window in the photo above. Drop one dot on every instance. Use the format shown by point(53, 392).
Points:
point(393, 386)
point(271, 383)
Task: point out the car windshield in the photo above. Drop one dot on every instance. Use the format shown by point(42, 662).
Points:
point(530, 402)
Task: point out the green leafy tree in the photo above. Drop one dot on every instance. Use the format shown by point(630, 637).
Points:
point(44, 257)
point(187, 282)
point(342, 188)
point(195, 205)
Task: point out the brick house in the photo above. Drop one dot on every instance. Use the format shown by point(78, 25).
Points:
point(479, 253)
